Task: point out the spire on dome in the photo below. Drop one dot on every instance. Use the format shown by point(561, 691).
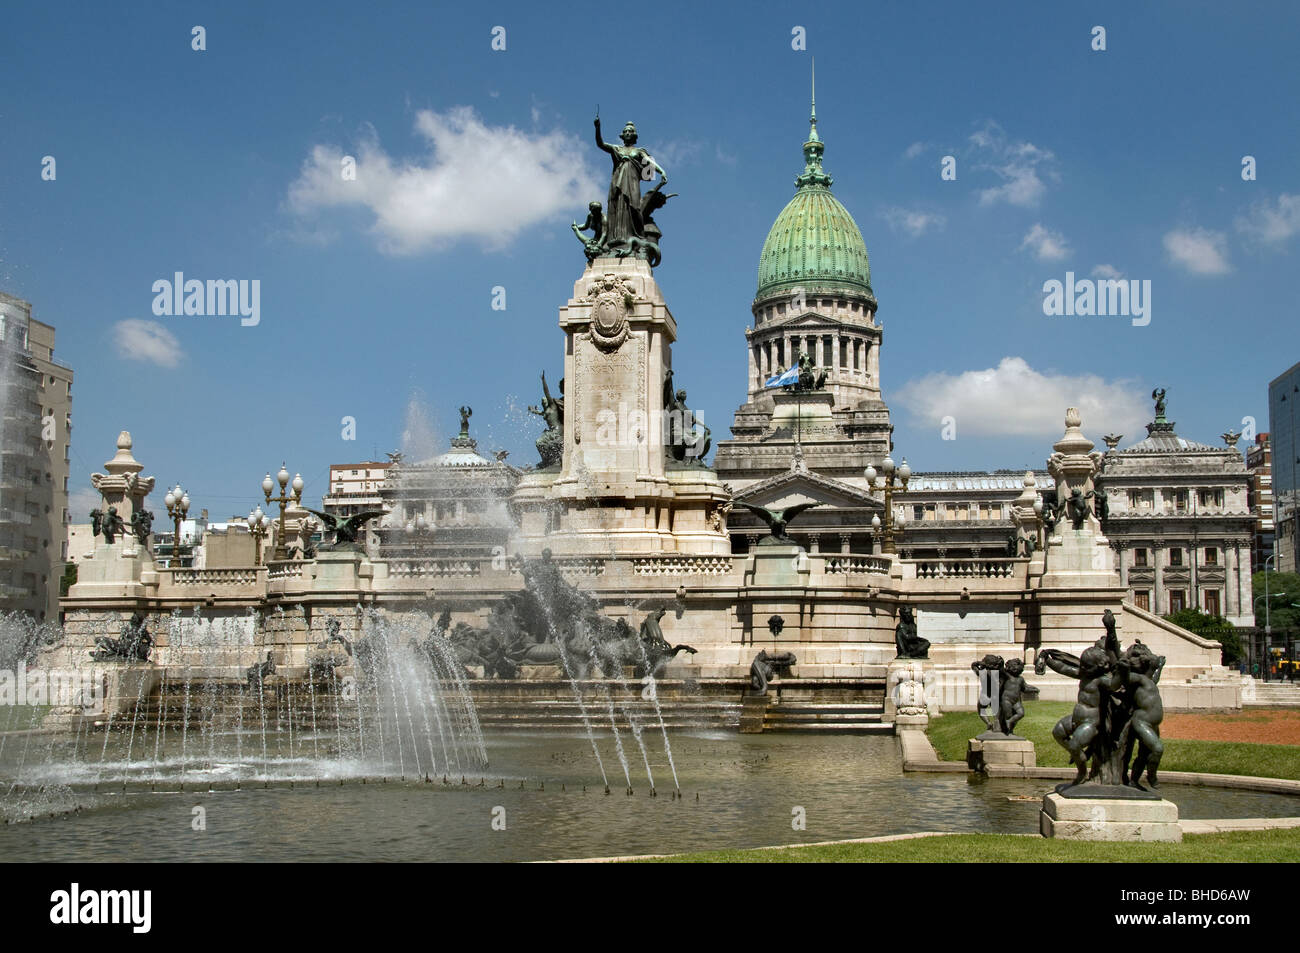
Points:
point(813, 174)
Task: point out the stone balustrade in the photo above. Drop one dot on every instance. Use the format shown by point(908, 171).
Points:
point(437, 568)
point(998, 568)
point(683, 565)
point(213, 577)
point(573, 565)
point(854, 564)
point(284, 570)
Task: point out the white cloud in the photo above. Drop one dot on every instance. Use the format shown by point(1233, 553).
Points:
point(1107, 271)
point(675, 153)
point(147, 341)
point(915, 150)
point(1199, 250)
point(475, 181)
point(1022, 166)
point(1272, 225)
point(1014, 400)
point(913, 222)
point(1045, 244)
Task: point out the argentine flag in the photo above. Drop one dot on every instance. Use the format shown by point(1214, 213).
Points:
point(783, 380)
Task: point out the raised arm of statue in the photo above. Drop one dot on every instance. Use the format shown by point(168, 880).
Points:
point(1059, 662)
point(601, 143)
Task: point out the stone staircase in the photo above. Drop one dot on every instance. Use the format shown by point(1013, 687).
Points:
point(1261, 694)
point(794, 705)
point(550, 705)
point(827, 706)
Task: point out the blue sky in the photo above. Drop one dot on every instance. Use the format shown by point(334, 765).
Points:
point(376, 303)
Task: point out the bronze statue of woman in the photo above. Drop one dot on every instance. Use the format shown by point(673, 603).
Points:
point(623, 210)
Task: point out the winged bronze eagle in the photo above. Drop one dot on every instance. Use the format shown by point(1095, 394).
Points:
point(777, 520)
point(346, 530)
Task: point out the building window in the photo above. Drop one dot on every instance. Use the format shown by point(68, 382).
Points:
point(918, 513)
point(1212, 601)
point(1175, 556)
point(1177, 600)
point(1140, 556)
point(1211, 555)
point(1142, 599)
point(1180, 500)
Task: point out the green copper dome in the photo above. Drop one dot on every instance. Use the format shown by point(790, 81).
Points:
point(814, 244)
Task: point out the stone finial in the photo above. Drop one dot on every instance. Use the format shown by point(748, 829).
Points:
point(1073, 464)
point(1030, 491)
point(122, 486)
point(123, 461)
point(1073, 441)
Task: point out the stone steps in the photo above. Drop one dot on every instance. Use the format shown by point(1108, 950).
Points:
point(842, 718)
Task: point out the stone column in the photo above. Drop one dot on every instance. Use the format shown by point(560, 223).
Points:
point(835, 355)
point(1157, 580)
point(1231, 564)
point(755, 381)
point(845, 541)
point(814, 543)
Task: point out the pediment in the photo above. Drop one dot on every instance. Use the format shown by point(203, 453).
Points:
point(811, 320)
point(789, 489)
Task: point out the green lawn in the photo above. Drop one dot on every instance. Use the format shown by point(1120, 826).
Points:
point(16, 717)
point(1236, 847)
point(949, 734)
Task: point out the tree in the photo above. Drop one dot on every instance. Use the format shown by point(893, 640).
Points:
point(1283, 590)
point(68, 579)
point(1208, 626)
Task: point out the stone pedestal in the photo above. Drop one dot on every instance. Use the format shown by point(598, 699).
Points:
point(909, 693)
point(779, 565)
point(341, 570)
point(618, 490)
point(106, 693)
point(995, 748)
point(1110, 819)
point(1079, 558)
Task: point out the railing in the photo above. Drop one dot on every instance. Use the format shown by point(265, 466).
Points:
point(406, 568)
point(573, 566)
point(289, 569)
point(858, 564)
point(213, 577)
point(1003, 568)
point(670, 565)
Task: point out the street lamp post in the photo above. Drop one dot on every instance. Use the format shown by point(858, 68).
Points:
point(178, 504)
point(886, 480)
point(284, 499)
point(257, 525)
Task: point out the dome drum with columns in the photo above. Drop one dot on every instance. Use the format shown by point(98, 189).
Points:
point(814, 296)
